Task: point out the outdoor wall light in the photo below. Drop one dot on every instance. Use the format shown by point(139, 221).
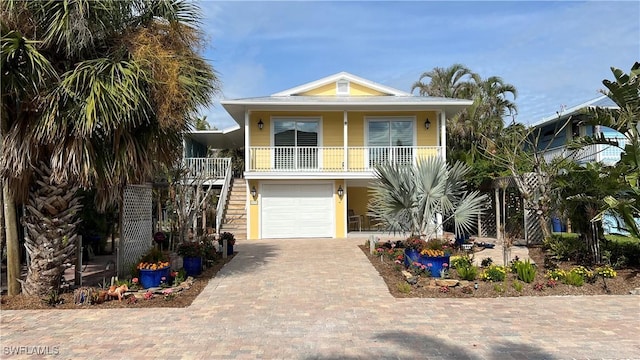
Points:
point(340, 191)
point(427, 124)
point(254, 192)
point(260, 124)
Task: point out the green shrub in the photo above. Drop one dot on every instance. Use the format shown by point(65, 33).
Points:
point(461, 261)
point(556, 274)
point(563, 246)
point(404, 287)
point(494, 273)
point(467, 272)
point(498, 288)
point(526, 271)
point(573, 278)
point(518, 286)
point(606, 271)
point(624, 251)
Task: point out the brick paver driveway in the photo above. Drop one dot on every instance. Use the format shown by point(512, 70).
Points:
point(321, 299)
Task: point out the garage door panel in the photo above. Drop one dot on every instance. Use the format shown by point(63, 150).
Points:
point(297, 210)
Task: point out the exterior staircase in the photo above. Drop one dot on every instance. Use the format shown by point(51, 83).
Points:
point(235, 215)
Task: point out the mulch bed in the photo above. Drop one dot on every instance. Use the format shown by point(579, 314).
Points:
point(627, 280)
point(180, 300)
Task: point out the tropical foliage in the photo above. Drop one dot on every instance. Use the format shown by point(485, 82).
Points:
point(625, 92)
point(493, 99)
point(408, 198)
point(92, 93)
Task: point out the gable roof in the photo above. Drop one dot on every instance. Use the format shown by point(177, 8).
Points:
point(387, 90)
point(296, 99)
point(601, 101)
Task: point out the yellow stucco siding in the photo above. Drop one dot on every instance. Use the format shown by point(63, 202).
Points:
point(360, 90)
point(354, 90)
point(426, 137)
point(324, 90)
point(254, 212)
point(332, 129)
point(340, 211)
point(355, 136)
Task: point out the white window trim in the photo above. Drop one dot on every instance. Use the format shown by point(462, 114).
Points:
point(368, 119)
point(319, 119)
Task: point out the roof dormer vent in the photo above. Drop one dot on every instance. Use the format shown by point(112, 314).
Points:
point(342, 87)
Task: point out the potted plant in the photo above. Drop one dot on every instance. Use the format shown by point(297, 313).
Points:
point(231, 240)
point(191, 252)
point(152, 267)
point(436, 255)
point(413, 245)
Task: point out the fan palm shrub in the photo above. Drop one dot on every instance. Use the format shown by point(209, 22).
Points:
point(408, 198)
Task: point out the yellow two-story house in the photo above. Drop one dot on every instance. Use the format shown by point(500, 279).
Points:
point(310, 151)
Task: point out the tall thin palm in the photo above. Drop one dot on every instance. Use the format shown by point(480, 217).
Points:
point(127, 82)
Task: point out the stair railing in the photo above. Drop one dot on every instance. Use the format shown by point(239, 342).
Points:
point(222, 199)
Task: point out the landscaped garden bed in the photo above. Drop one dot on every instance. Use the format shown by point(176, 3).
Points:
point(158, 297)
point(556, 279)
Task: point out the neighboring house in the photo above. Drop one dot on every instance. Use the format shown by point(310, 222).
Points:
point(555, 145)
point(553, 138)
point(311, 151)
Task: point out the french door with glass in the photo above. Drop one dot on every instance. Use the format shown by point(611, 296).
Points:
point(296, 143)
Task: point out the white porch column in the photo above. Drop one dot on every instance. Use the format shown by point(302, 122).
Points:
point(345, 137)
point(443, 135)
point(247, 149)
point(497, 193)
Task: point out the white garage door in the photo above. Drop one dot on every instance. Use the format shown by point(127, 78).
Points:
point(297, 210)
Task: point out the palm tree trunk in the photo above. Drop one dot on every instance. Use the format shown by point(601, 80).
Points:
point(51, 219)
point(13, 244)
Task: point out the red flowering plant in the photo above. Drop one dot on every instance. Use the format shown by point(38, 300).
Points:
point(415, 242)
point(190, 249)
point(390, 250)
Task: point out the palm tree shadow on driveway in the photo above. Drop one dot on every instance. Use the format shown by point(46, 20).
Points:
point(406, 345)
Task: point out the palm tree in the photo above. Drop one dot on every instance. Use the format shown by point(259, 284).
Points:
point(407, 198)
point(485, 118)
point(456, 81)
point(95, 94)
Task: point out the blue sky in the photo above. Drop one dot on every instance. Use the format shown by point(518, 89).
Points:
point(556, 53)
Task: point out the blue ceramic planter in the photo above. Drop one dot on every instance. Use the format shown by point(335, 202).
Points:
point(152, 278)
point(192, 265)
point(411, 255)
point(435, 264)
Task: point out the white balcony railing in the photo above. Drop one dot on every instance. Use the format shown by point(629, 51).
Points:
point(606, 154)
point(333, 159)
point(207, 168)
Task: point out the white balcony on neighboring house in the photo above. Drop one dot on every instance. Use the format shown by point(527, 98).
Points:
point(359, 161)
point(209, 170)
point(605, 154)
